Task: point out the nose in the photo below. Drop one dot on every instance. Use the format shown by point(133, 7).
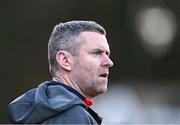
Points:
point(107, 62)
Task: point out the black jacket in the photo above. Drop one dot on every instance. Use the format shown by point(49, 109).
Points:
point(51, 103)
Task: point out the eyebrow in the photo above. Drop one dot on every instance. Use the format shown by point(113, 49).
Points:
point(101, 50)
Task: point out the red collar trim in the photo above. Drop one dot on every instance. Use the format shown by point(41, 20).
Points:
point(88, 102)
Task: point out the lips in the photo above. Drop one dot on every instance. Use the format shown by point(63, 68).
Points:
point(104, 75)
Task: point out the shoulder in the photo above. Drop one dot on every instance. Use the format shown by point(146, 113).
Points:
point(75, 115)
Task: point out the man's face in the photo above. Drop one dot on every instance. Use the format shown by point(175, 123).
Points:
point(91, 67)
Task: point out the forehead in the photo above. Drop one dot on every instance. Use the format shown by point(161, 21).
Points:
point(94, 40)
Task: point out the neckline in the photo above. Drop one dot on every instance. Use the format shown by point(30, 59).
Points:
point(87, 101)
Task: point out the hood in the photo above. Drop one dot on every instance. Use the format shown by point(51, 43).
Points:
point(41, 103)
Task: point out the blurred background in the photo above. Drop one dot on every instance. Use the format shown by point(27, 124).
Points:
point(144, 39)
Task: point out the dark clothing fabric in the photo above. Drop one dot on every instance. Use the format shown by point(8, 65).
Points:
point(52, 103)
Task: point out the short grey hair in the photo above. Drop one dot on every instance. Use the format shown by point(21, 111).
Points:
point(64, 37)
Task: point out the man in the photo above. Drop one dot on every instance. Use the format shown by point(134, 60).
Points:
point(79, 63)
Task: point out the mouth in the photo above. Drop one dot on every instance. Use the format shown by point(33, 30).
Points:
point(104, 75)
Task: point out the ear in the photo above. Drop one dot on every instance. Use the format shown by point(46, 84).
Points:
point(64, 60)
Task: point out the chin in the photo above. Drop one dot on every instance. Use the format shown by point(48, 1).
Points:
point(102, 90)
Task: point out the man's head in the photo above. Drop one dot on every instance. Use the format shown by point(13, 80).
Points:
point(65, 37)
point(79, 55)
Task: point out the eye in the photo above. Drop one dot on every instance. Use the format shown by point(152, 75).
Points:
point(97, 52)
point(108, 54)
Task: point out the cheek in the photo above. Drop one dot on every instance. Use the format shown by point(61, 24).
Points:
point(88, 66)
point(92, 66)
point(89, 70)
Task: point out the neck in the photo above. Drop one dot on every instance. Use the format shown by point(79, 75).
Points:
point(67, 81)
